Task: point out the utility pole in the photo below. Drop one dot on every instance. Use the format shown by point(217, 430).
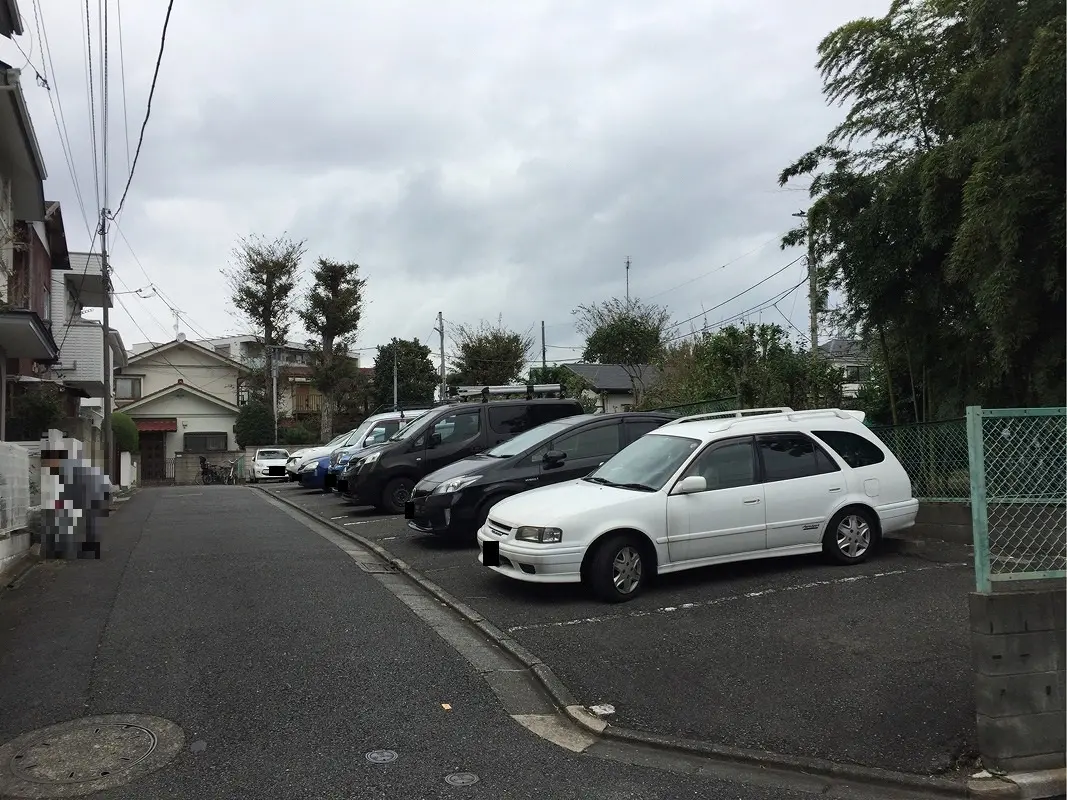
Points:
point(813, 296)
point(627, 280)
point(274, 389)
point(109, 382)
point(396, 399)
point(544, 356)
point(441, 332)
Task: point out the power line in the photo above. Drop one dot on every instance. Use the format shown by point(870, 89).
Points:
point(742, 314)
point(91, 99)
point(122, 80)
point(710, 271)
point(739, 294)
point(148, 109)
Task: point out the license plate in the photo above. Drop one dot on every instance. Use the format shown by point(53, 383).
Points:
point(491, 554)
point(409, 510)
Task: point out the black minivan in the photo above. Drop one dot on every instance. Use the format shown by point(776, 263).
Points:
point(457, 498)
point(384, 476)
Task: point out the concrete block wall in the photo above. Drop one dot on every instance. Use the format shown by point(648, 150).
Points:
point(187, 465)
point(1018, 643)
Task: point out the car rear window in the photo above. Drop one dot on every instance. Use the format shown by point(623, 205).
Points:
point(854, 450)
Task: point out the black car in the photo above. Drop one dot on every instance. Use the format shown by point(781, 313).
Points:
point(457, 498)
point(384, 476)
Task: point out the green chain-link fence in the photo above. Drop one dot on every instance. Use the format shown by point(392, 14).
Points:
point(701, 407)
point(934, 454)
point(1018, 476)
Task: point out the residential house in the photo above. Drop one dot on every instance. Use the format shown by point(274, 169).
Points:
point(298, 398)
point(612, 385)
point(39, 259)
point(852, 359)
point(183, 397)
point(81, 340)
point(24, 334)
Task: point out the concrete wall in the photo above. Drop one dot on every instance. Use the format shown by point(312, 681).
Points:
point(1019, 648)
point(187, 465)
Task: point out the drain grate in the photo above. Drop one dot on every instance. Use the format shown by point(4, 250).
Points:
point(377, 567)
point(87, 755)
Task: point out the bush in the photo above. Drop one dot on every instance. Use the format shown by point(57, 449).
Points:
point(254, 426)
point(298, 434)
point(124, 432)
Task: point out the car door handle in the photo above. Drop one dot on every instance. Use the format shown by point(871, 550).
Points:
point(835, 489)
point(752, 501)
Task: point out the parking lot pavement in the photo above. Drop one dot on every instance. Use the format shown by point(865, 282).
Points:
point(868, 665)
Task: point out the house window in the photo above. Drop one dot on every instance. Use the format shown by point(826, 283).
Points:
point(127, 388)
point(857, 374)
point(204, 442)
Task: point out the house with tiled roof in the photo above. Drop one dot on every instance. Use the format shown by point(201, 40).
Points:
point(851, 357)
point(613, 385)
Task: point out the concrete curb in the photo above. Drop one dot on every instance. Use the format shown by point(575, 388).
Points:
point(590, 723)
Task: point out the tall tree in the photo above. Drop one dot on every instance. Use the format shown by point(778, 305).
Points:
point(941, 197)
point(488, 354)
point(626, 332)
point(332, 312)
point(416, 375)
point(757, 364)
point(262, 280)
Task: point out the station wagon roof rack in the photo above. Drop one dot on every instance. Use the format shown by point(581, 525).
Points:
point(732, 418)
point(741, 413)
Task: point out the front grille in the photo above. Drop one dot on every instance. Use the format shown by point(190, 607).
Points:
point(499, 528)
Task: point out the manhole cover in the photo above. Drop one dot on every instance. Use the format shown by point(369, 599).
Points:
point(87, 755)
point(461, 778)
point(376, 567)
point(83, 754)
point(381, 756)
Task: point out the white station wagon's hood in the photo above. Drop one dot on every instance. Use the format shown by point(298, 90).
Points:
point(573, 501)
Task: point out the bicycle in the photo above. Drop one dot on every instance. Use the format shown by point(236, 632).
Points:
point(230, 478)
point(209, 474)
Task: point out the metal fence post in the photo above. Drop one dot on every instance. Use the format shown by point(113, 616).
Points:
point(979, 508)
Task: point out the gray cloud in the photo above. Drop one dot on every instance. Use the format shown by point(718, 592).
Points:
point(474, 158)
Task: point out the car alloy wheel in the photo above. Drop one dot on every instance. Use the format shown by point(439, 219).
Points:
point(626, 570)
point(851, 535)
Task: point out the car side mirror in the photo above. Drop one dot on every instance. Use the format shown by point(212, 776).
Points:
point(691, 484)
point(433, 440)
point(554, 458)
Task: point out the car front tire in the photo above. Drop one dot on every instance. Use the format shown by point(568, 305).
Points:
point(396, 493)
point(618, 570)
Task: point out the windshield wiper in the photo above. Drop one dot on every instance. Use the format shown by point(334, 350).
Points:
point(605, 482)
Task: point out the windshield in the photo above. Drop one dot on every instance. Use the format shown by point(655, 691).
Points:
point(272, 454)
point(646, 464)
point(528, 439)
point(412, 429)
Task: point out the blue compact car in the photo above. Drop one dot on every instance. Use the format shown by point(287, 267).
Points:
point(313, 474)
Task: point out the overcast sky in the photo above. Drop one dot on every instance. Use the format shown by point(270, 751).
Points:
point(475, 158)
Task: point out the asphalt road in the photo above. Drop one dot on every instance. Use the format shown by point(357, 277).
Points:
point(867, 665)
point(283, 662)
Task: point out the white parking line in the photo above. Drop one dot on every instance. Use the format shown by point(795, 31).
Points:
point(731, 598)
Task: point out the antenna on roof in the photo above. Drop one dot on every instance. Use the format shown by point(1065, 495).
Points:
point(179, 338)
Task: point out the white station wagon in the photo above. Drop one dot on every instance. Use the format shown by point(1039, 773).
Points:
point(707, 489)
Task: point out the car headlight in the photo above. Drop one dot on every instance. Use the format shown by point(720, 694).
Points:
point(307, 467)
point(455, 484)
point(528, 533)
point(370, 458)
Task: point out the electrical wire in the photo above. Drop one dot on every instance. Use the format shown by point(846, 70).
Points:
point(711, 271)
point(148, 110)
point(739, 294)
point(91, 100)
point(740, 315)
point(122, 80)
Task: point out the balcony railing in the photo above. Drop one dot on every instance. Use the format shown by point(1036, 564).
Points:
point(307, 405)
